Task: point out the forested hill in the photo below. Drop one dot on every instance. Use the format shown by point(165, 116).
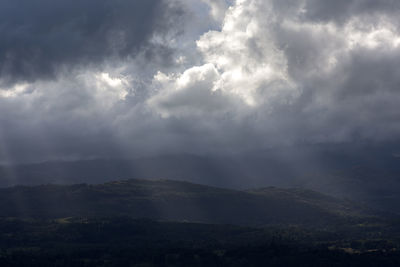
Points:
point(178, 201)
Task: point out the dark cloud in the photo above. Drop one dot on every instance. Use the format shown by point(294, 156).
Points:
point(38, 38)
point(342, 10)
point(338, 12)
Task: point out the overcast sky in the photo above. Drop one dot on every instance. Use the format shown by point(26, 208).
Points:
point(122, 78)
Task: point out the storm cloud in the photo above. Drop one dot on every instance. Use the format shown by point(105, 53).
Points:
point(132, 78)
point(40, 38)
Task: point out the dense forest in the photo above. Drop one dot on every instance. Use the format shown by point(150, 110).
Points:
point(126, 242)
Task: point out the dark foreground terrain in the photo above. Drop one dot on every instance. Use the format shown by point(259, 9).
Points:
point(127, 242)
point(169, 223)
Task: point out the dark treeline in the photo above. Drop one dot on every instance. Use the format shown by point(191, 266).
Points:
point(127, 242)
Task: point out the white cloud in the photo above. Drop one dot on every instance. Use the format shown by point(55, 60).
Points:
point(217, 8)
point(382, 35)
point(282, 67)
point(15, 91)
point(243, 60)
point(109, 90)
point(191, 93)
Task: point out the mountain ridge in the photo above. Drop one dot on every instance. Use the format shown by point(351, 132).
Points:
point(172, 200)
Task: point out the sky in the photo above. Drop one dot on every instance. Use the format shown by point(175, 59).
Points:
point(134, 78)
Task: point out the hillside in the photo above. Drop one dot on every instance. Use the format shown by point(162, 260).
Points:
point(178, 201)
point(363, 174)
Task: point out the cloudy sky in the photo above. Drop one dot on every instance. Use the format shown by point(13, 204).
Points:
point(132, 78)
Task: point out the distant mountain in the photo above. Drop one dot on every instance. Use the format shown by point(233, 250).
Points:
point(178, 201)
point(366, 174)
